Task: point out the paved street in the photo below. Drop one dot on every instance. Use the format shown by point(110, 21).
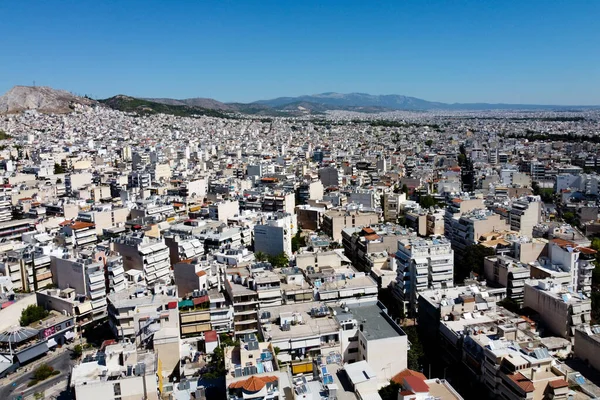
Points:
point(18, 383)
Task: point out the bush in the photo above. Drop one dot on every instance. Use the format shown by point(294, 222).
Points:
point(32, 313)
point(42, 372)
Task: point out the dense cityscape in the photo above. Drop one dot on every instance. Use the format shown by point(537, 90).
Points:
point(321, 255)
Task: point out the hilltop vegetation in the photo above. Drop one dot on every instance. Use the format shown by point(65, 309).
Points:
point(146, 107)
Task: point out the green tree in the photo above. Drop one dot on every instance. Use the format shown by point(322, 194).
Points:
point(404, 189)
point(58, 169)
point(428, 142)
point(279, 261)
point(77, 351)
point(390, 392)
point(416, 354)
point(260, 256)
point(427, 201)
point(472, 261)
point(569, 218)
point(298, 241)
point(42, 372)
point(32, 313)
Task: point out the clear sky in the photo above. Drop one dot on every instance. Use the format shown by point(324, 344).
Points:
point(511, 51)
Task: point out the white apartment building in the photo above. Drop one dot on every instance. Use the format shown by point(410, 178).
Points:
point(524, 214)
point(145, 254)
point(422, 264)
point(223, 210)
point(274, 236)
point(138, 312)
point(118, 372)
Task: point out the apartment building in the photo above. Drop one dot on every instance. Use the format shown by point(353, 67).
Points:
point(422, 264)
point(223, 210)
point(274, 235)
point(119, 371)
point(85, 275)
point(504, 271)
point(577, 260)
point(334, 221)
point(137, 312)
point(147, 255)
point(79, 234)
point(366, 333)
point(525, 214)
point(561, 309)
point(466, 230)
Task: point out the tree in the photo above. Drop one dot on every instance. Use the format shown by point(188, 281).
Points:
point(569, 218)
point(260, 256)
point(58, 169)
point(427, 201)
point(404, 189)
point(390, 392)
point(472, 261)
point(77, 351)
point(428, 142)
point(279, 261)
point(32, 313)
point(298, 241)
point(42, 372)
point(416, 354)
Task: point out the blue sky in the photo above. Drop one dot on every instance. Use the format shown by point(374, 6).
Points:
point(522, 51)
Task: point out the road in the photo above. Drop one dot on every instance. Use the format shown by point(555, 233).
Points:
point(18, 385)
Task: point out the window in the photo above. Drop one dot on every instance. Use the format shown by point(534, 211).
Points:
point(117, 388)
point(353, 339)
point(353, 350)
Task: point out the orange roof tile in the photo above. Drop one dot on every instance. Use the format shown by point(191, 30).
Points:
point(523, 382)
point(253, 384)
point(558, 383)
point(81, 225)
point(200, 273)
point(398, 378)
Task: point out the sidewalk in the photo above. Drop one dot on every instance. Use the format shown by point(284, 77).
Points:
point(30, 367)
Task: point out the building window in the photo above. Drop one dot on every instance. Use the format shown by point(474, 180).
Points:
point(117, 388)
point(353, 339)
point(353, 350)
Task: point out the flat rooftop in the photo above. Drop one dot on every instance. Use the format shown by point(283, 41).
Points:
point(311, 327)
point(441, 389)
point(376, 324)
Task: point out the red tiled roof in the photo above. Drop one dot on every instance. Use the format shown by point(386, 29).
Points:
point(81, 225)
point(417, 384)
point(200, 273)
point(253, 384)
point(172, 305)
point(398, 378)
point(210, 336)
point(523, 382)
point(200, 300)
point(558, 383)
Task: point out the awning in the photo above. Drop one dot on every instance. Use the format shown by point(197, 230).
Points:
point(69, 335)
point(32, 352)
point(51, 343)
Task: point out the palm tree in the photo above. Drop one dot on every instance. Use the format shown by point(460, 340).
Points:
point(260, 256)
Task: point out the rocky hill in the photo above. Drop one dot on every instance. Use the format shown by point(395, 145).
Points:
point(41, 98)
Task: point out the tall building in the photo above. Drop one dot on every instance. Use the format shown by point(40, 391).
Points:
point(274, 236)
point(422, 264)
point(147, 255)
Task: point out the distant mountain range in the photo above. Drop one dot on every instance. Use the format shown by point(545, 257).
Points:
point(398, 102)
point(45, 99)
